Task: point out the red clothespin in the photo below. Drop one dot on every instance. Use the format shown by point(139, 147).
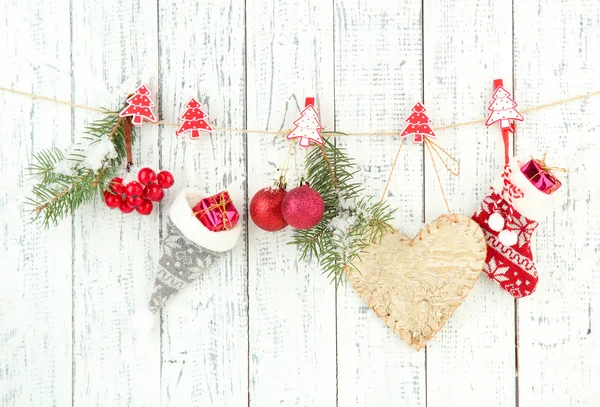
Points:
point(503, 111)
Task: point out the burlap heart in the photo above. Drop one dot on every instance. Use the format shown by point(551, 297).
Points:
point(415, 285)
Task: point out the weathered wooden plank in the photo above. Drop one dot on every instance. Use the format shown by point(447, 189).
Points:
point(555, 54)
point(471, 361)
point(292, 306)
point(204, 330)
point(378, 78)
point(115, 255)
point(35, 294)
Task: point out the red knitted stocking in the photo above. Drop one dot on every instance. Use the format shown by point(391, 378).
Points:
point(510, 266)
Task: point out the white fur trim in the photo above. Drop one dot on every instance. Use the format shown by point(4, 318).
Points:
point(182, 216)
point(535, 204)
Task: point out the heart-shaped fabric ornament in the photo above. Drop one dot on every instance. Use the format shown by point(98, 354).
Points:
point(415, 285)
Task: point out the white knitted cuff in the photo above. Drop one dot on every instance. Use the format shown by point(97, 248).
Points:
point(535, 204)
point(183, 217)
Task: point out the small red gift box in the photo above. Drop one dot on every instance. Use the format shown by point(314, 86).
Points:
point(541, 177)
point(217, 212)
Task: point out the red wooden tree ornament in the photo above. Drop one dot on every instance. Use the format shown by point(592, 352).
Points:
point(503, 111)
point(193, 120)
point(140, 106)
point(418, 125)
point(308, 127)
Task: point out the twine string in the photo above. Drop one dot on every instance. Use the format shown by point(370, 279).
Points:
point(389, 179)
point(283, 132)
point(437, 174)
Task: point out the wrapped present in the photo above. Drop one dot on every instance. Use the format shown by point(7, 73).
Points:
point(217, 212)
point(541, 176)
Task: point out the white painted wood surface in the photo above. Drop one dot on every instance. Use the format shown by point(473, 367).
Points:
point(262, 328)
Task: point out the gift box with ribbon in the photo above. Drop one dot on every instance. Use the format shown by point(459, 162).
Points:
point(541, 176)
point(217, 212)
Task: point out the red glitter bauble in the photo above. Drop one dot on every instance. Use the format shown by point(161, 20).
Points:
point(265, 209)
point(303, 207)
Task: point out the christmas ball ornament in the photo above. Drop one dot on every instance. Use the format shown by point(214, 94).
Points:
point(153, 192)
point(116, 185)
point(145, 208)
point(508, 237)
point(496, 222)
point(146, 176)
point(134, 189)
point(111, 200)
point(165, 179)
point(265, 208)
point(302, 207)
point(134, 201)
point(126, 208)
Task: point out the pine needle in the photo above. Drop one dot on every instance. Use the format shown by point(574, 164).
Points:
point(331, 173)
point(58, 193)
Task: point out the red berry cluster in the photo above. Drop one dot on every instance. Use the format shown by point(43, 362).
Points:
point(138, 195)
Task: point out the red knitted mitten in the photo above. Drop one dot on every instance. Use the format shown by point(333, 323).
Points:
point(508, 216)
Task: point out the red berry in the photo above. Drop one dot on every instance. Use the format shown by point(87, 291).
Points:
point(134, 189)
point(125, 208)
point(165, 179)
point(116, 185)
point(111, 200)
point(134, 201)
point(145, 208)
point(146, 176)
point(153, 192)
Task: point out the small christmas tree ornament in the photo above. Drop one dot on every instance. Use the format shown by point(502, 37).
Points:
point(139, 106)
point(194, 120)
point(509, 215)
point(419, 125)
point(303, 207)
point(308, 127)
point(187, 248)
point(265, 207)
point(503, 111)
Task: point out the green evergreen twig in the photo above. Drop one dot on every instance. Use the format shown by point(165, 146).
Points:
point(59, 193)
point(351, 222)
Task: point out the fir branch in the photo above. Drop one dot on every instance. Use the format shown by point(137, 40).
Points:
point(65, 182)
point(351, 222)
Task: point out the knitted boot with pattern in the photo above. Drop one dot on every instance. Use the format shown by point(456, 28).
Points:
point(509, 215)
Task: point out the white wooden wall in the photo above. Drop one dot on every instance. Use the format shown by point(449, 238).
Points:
point(262, 328)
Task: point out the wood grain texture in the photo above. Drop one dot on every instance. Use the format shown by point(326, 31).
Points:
point(471, 361)
point(35, 264)
point(115, 255)
point(292, 306)
point(204, 329)
point(555, 57)
point(378, 78)
point(262, 328)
